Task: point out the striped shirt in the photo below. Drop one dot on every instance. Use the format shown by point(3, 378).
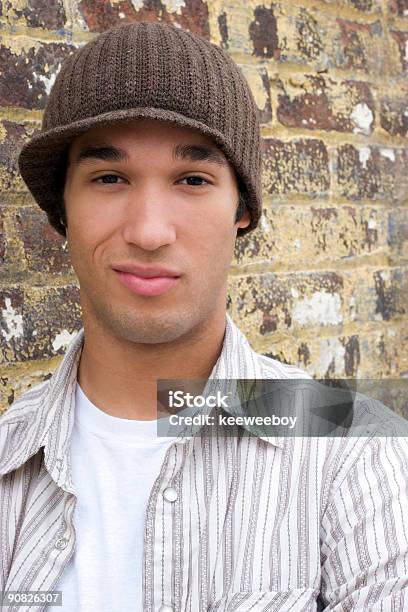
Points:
point(252, 523)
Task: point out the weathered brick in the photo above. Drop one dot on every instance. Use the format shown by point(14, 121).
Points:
point(271, 302)
point(2, 240)
point(35, 323)
point(376, 295)
point(16, 134)
point(289, 33)
point(309, 41)
point(391, 287)
point(223, 29)
point(399, 7)
point(11, 323)
point(45, 250)
point(398, 232)
point(385, 352)
point(301, 35)
point(401, 41)
point(324, 103)
point(394, 116)
point(338, 357)
point(104, 14)
point(14, 263)
point(298, 235)
point(268, 302)
point(299, 166)
point(16, 379)
point(378, 173)
point(26, 75)
point(258, 80)
point(34, 14)
point(374, 355)
point(365, 6)
point(323, 357)
point(263, 33)
point(6, 393)
point(361, 46)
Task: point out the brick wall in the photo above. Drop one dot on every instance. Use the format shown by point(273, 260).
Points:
point(323, 281)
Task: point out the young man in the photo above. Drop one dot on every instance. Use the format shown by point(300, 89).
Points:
point(149, 162)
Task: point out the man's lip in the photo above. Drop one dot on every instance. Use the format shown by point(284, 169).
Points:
point(153, 285)
point(146, 271)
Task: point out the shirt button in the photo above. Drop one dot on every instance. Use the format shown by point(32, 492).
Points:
point(170, 495)
point(61, 543)
point(166, 608)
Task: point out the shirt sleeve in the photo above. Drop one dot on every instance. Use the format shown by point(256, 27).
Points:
point(364, 532)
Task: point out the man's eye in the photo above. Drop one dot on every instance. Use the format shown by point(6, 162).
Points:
point(112, 179)
point(107, 178)
point(194, 178)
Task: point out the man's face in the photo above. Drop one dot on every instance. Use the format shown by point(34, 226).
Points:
point(149, 205)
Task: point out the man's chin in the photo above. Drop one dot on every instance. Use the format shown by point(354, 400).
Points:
point(151, 327)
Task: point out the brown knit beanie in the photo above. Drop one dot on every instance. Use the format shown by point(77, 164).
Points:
point(153, 70)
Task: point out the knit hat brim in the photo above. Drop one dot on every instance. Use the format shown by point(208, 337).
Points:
point(40, 159)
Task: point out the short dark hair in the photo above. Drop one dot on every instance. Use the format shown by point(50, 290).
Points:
point(62, 173)
point(242, 200)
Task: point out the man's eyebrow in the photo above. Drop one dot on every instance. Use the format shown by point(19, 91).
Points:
point(107, 152)
point(202, 152)
point(104, 152)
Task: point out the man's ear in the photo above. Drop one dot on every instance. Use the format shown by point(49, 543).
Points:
point(245, 220)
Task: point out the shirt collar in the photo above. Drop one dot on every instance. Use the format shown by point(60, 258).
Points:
point(48, 421)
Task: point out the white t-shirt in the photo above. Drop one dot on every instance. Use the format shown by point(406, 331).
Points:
point(114, 462)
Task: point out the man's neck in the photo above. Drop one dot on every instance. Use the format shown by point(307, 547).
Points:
point(120, 377)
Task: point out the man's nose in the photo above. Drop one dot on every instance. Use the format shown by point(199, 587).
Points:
point(148, 220)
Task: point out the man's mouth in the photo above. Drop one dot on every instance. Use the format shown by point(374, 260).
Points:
point(146, 280)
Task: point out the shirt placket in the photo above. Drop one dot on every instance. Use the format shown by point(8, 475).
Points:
point(163, 533)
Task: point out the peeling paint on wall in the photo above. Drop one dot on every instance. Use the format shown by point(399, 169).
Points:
point(331, 359)
point(12, 321)
point(255, 81)
point(364, 155)
point(320, 309)
point(137, 4)
point(362, 117)
point(48, 81)
point(388, 153)
point(174, 6)
point(63, 339)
